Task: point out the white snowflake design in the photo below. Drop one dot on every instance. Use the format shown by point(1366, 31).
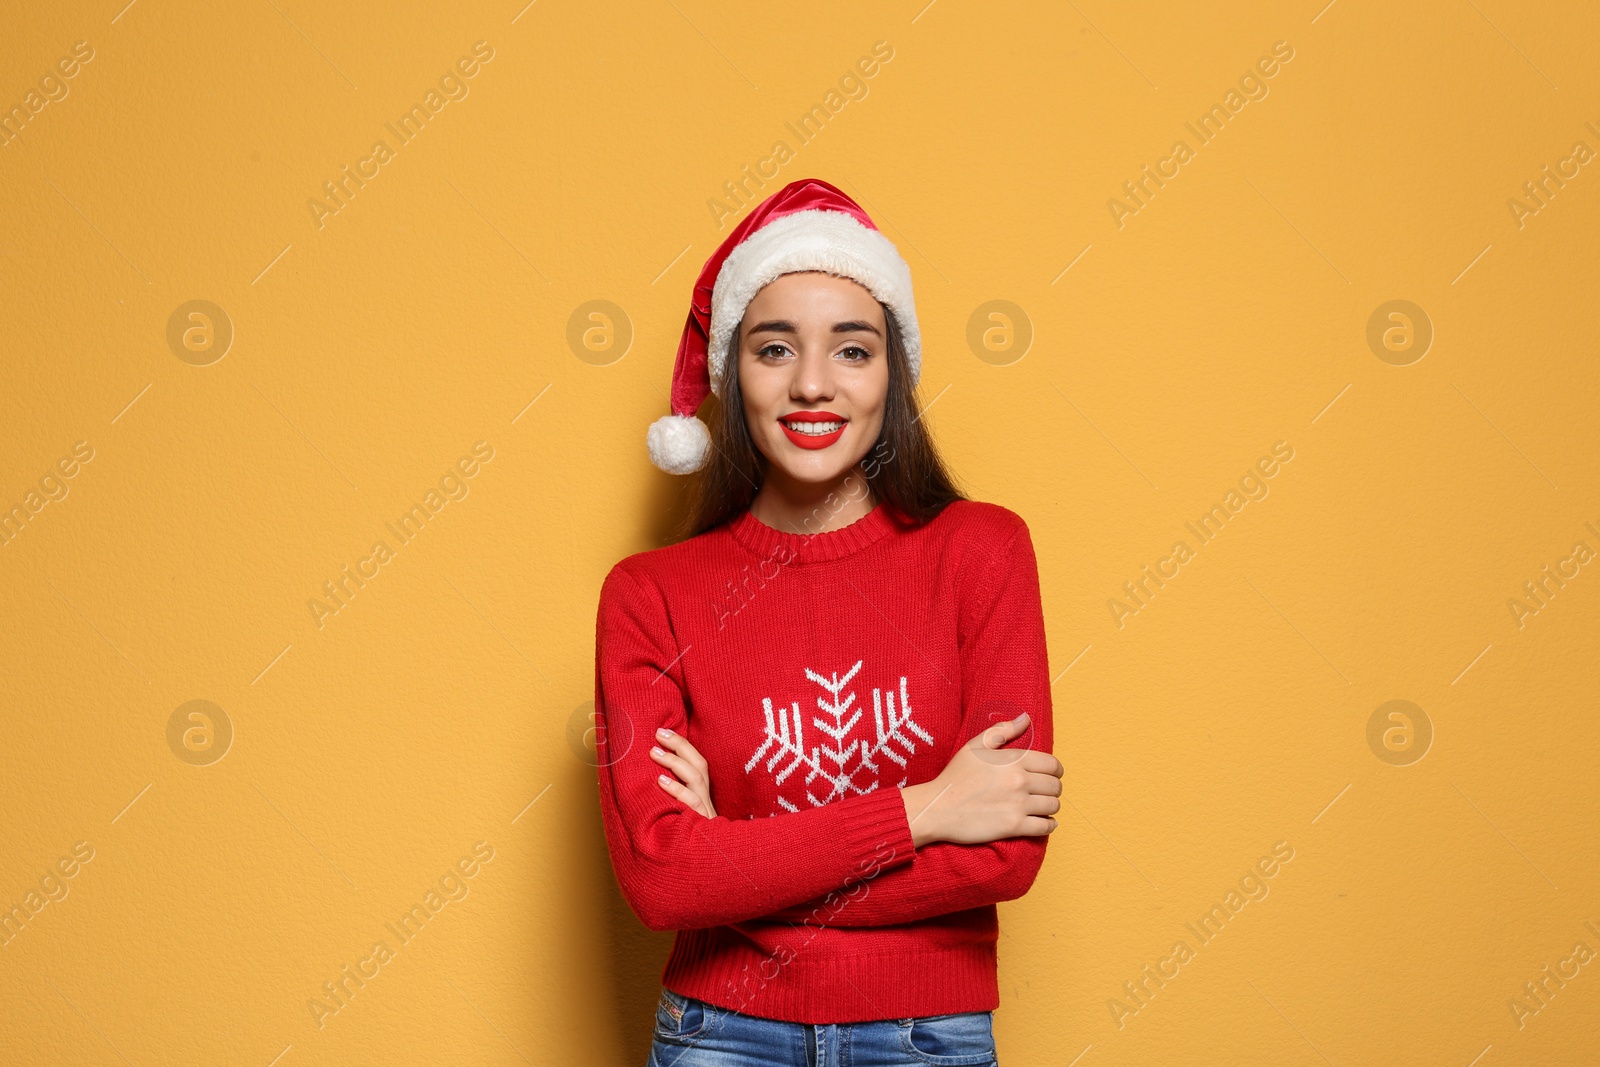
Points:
point(843, 767)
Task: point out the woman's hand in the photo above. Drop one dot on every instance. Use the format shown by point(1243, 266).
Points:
point(986, 793)
point(693, 782)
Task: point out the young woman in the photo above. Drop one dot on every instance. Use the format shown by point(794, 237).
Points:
point(824, 716)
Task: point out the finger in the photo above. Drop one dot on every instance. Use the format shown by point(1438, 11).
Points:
point(687, 773)
point(1044, 784)
point(680, 744)
point(1043, 763)
point(1041, 804)
point(1037, 826)
point(683, 793)
point(676, 788)
point(689, 788)
point(998, 734)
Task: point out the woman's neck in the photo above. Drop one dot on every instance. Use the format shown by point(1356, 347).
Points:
point(805, 507)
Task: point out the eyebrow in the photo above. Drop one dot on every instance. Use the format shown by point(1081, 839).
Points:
point(785, 326)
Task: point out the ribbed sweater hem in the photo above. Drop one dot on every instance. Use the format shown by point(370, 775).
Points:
point(715, 965)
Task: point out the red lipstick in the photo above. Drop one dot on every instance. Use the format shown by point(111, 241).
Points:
point(811, 418)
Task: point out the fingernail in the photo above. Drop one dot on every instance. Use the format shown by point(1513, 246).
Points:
point(663, 732)
point(665, 779)
point(655, 751)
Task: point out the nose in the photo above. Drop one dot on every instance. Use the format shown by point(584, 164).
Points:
point(813, 377)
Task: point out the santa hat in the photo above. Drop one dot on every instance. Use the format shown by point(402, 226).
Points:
point(806, 225)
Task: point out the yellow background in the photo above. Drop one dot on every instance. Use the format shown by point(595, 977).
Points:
point(444, 704)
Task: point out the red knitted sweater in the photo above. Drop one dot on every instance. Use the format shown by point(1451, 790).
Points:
point(817, 674)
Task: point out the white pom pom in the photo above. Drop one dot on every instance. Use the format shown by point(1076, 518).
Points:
point(679, 444)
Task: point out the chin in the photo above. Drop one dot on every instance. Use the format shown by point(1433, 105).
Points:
point(809, 474)
point(816, 470)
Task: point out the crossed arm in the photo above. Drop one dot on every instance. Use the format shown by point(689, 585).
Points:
point(942, 877)
point(1003, 654)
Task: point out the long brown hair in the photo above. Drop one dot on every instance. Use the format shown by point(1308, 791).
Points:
point(902, 467)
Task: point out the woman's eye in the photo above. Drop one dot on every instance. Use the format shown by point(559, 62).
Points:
point(851, 354)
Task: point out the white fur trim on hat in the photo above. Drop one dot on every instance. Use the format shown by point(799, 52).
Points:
point(679, 444)
point(814, 239)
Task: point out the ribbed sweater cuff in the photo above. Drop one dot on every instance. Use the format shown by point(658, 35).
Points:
point(877, 833)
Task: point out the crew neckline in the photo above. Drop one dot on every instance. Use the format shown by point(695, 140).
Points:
point(767, 542)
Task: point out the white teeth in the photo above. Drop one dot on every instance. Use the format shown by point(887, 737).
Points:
point(813, 429)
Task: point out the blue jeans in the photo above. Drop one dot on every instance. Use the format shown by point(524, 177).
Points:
point(692, 1033)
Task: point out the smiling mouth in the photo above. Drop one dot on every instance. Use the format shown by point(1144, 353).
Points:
point(814, 429)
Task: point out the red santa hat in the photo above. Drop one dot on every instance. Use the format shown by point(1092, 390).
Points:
point(806, 225)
